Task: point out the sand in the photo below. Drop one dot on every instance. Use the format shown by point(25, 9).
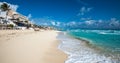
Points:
point(30, 47)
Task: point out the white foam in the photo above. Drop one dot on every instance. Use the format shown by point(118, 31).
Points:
point(79, 53)
point(111, 32)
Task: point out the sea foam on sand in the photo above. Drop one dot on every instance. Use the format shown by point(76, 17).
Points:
point(79, 53)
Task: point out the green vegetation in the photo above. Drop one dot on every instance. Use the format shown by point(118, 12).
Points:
point(4, 7)
point(11, 25)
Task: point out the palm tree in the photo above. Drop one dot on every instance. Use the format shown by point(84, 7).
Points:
point(5, 7)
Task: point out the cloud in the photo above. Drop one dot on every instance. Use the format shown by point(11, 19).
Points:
point(41, 21)
point(72, 23)
point(90, 22)
point(32, 21)
point(113, 23)
point(82, 2)
point(58, 23)
point(85, 19)
point(47, 21)
point(53, 23)
point(46, 24)
point(84, 10)
point(29, 16)
point(14, 7)
point(89, 9)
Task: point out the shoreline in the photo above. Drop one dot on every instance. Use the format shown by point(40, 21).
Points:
point(79, 49)
point(30, 47)
point(89, 43)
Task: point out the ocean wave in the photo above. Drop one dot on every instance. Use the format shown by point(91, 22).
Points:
point(110, 32)
point(79, 53)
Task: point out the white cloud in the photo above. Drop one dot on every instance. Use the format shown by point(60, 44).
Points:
point(114, 22)
point(89, 9)
point(100, 21)
point(58, 23)
point(29, 16)
point(82, 2)
point(84, 10)
point(113, 19)
point(14, 7)
point(72, 23)
point(85, 19)
point(53, 23)
point(90, 22)
point(45, 24)
point(47, 21)
point(32, 21)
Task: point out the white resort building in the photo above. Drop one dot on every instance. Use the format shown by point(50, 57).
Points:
point(10, 19)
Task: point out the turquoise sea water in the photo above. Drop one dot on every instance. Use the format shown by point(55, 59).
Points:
point(91, 46)
point(108, 39)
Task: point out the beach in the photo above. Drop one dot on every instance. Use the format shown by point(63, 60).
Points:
point(27, 46)
point(91, 46)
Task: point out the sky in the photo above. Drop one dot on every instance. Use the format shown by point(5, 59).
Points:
point(71, 12)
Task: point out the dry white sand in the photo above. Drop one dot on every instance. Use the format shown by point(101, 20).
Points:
point(30, 47)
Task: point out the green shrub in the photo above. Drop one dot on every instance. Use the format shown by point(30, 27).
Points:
point(11, 25)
